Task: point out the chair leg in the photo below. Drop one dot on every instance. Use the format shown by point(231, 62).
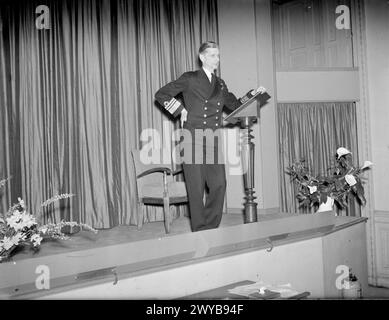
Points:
point(140, 216)
point(166, 213)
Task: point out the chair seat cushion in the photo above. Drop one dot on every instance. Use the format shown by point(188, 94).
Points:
point(176, 189)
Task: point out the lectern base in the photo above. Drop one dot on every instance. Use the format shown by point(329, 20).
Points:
point(250, 212)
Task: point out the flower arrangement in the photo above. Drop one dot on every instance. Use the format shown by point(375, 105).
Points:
point(344, 178)
point(18, 227)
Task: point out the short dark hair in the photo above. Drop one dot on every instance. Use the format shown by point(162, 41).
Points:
point(209, 44)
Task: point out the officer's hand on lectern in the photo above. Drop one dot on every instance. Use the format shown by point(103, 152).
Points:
point(258, 90)
point(184, 114)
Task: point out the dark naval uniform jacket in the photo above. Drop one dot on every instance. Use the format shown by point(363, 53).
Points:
point(204, 100)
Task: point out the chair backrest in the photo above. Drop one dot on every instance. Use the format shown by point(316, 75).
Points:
point(153, 178)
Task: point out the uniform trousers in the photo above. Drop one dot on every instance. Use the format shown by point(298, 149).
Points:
point(198, 178)
point(205, 174)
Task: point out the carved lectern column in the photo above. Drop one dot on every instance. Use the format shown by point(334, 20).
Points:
point(250, 206)
point(247, 114)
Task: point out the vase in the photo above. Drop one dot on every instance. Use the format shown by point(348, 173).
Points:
point(352, 290)
point(70, 230)
point(326, 206)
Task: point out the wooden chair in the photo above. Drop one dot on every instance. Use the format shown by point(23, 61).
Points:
point(156, 186)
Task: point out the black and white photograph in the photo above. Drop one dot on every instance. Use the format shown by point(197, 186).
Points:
point(195, 155)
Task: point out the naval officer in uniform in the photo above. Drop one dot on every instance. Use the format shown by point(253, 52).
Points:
point(205, 95)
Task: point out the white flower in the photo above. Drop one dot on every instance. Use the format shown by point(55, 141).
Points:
point(43, 229)
point(21, 202)
point(326, 206)
point(367, 164)
point(14, 220)
point(350, 179)
point(20, 220)
point(17, 238)
point(28, 220)
point(6, 243)
point(312, 189)
point(36, 240)
point(342, 151)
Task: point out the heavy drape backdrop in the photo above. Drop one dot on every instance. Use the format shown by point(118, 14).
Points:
point(75, 98)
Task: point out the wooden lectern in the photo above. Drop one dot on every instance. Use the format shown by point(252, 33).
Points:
point(247, 114)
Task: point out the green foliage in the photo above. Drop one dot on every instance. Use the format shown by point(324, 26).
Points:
point(343, 178)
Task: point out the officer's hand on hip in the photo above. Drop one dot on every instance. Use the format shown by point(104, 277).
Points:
point(184, 114)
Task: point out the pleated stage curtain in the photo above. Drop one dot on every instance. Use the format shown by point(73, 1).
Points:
point(313, 132)
point(75, 98)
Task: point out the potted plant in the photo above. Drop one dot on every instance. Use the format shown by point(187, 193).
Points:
point(325, 191)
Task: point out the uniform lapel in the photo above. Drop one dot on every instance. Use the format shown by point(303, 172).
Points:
point(204, 84)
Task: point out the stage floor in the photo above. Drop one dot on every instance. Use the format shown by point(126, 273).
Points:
point(118, 235)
